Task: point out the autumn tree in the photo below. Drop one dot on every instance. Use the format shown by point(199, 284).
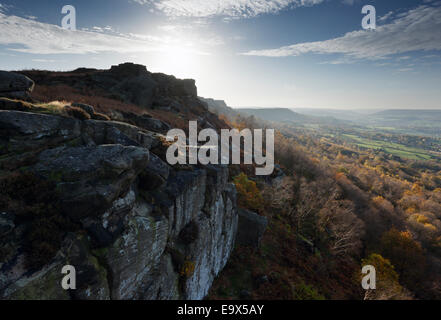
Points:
point(405, 254)
point(249, 195)
point(341, 226)
point(387, 280)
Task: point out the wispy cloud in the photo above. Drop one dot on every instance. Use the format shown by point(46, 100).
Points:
point(405, 69)
point(30, 36)
point(385, 17)
point(45, 60)
point(226, 8)
point(415, 30)
point(350, 2)
point(404, 58)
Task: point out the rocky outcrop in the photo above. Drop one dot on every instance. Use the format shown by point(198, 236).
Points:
point(126, 92)
point(251, 228)
point(14, 85)
point(219, 107)
point(96, 196)
point(128, 82)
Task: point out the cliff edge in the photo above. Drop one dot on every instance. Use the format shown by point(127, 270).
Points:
point(94, 191)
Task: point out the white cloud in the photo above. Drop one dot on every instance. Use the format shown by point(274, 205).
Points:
point(350, 2)
point(226, 8)
point(386, 16)
point(44, 60)
point(415, 30)
point(430, 56)
point(30, 36)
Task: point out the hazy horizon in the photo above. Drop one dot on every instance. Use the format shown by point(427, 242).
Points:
point(336, 109)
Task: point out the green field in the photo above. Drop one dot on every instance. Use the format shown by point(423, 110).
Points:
point(390, 147)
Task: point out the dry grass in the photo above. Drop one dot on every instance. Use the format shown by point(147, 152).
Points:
point(100, 103)
point(59, 108)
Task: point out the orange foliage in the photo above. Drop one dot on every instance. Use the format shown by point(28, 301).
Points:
point(405, 254)
point(249, 195)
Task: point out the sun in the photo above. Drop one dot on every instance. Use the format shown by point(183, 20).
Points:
point(179, 60)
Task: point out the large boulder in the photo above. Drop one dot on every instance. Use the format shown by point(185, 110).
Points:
point(14, 85)
point(89, 109)
point(146, 122)
point(128, 69)
point(91, 178)
point(251, 228)
point(155, 174)
point(24, 131)
point(189, 87)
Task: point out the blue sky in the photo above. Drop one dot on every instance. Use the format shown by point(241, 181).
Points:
point(266, 53)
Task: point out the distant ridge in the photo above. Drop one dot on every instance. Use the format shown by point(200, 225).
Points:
point(409, 112)
point(273, 114)
point(219, 107)
point(407, 116)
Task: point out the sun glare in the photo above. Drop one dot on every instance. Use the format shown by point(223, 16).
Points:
point(180, 60)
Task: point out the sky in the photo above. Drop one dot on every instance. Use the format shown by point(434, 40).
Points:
point(250, 53)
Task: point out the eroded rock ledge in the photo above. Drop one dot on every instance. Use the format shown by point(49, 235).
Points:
point(136, 228)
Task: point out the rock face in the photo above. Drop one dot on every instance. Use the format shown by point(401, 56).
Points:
point(14, 85)
point(251, 228)
point(127, 82)
point(132, 226)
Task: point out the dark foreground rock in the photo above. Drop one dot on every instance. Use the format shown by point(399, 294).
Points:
point(251, 228)
point(14, 85)
point(93, 194)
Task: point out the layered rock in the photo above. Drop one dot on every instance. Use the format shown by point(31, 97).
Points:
point(14, 85)
point(136, 228)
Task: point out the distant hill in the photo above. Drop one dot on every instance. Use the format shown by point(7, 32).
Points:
point(348, 115)
point(288, 115)
point(274, 114)
point(408, 115)
point(269, 114)
point(416, 122)
point(401, 118)
point(419, 122)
